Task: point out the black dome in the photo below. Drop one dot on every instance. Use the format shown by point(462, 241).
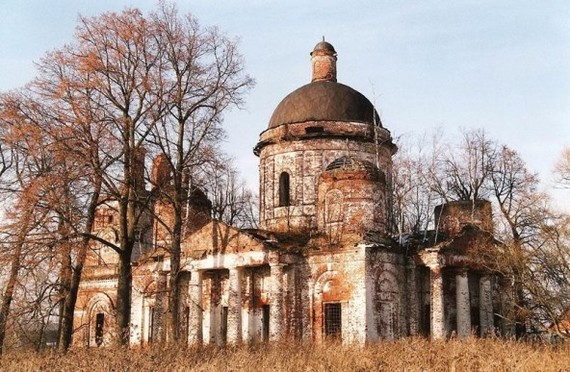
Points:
point(324, 101)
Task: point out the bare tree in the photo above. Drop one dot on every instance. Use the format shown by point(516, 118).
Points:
point(201, 76)
point(45, 128)
point(468, 167)
point(562, 168)
point(115, 60)
point(24, 186)
point(548, 274)
point(232, 202)
point(522, 209)
point(126, 86)
point(418, 174)
point(477, 167)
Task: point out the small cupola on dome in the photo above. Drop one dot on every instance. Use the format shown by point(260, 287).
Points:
point(323, 58)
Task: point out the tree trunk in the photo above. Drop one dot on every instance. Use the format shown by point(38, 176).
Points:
point(65, 331)
point(123, 304)
point(64, 291)
point(173, 315)
point(519, 300)
point(9, 292)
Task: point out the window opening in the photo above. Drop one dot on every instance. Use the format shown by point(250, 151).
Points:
point(310, 130)
point(284, 194)
point(265, 319)
point(333, 320)
point(151, 325)
point(99, 324)
point(426, 320)
point(224, 324)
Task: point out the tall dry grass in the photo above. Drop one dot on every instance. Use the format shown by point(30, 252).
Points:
point(411, 354)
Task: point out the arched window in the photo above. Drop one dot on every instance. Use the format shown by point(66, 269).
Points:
point(99, 324)
point(284, 199)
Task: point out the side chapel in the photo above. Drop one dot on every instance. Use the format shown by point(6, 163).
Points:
point(321, 265)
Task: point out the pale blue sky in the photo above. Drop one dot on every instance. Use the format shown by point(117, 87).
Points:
point(500, 65)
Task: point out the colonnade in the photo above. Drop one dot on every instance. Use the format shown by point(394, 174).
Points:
point(235, 322)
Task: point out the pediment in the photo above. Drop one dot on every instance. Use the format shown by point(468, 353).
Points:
point(219, 238)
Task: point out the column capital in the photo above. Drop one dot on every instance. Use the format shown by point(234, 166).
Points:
point(431, 259)
point(273, 257)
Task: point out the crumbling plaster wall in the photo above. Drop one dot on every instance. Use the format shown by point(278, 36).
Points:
point(96, 296)
point(304, 161)
point(350, 205)
point(337, 276)
point(386, 300)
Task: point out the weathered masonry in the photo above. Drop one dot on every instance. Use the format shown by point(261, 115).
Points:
point(322, 264)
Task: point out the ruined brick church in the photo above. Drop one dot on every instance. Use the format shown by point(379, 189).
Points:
point(322, 264)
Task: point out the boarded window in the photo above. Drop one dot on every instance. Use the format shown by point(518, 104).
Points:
point(99, 324)
point(284, 192)
point(333, 320)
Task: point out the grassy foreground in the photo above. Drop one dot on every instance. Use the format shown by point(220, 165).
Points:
point(412, 354)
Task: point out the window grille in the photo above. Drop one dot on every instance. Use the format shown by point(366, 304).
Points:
point(333, 320)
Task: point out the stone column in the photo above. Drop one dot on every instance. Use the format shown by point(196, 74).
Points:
point(137, 316)
point(412, 300)
point(276, 312)
point(486, 306)
point(463, 304)
point(436, 303)
point(160, 307)
point(195, 303)
point(234, 306)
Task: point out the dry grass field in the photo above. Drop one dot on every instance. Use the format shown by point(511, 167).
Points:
point(403, 355)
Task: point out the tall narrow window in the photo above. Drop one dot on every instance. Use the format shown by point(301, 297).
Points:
point(224, 325)
point(151, 325)
point(265, 318)
point(333, 320)
point(99, 324)
point(284, 190)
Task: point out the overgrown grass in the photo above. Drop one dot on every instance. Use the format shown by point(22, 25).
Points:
point(411, 354)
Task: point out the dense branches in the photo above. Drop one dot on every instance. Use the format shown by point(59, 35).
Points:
point(535, 251)
point(127, 87)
